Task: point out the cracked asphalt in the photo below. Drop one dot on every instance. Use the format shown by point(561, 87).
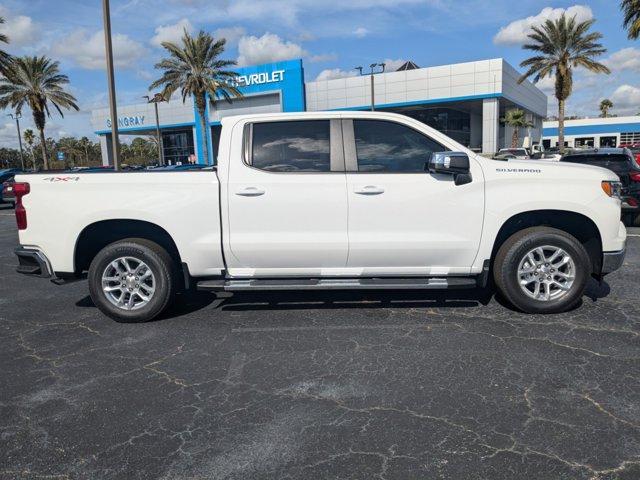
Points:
point(396, 385)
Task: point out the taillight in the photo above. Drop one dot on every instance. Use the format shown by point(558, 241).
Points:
point(20, 189)
point(636, 157)
point(635, 177)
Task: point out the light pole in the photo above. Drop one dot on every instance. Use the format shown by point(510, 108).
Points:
point(115, 144)
point(371, 74)
point(17, 118)
point(158, 97)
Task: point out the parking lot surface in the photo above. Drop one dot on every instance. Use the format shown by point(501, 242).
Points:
point(396, 385)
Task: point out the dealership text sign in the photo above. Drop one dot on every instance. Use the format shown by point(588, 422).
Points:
point(259, 78)
point(132, 121)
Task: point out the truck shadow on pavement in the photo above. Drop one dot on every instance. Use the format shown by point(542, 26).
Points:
point(194, 301)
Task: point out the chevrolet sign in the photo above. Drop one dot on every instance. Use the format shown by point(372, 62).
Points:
point(259, 78)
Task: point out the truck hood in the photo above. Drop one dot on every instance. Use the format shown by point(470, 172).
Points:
point(554, 169)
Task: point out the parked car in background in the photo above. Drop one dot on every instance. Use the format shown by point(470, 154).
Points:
point(635, 151)
point(518, 153)
point(623, 163)
point(6, 181)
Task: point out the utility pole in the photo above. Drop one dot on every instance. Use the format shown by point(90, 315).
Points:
point(17, 118)
point(115, 144)
point(371, 74)
point(155, 100)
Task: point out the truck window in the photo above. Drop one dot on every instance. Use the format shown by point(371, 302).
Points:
point(294, 146)
point(383, 146)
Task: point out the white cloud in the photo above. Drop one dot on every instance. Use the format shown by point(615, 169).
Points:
point(267, 48)
point(516, 32)
point(9, 135)
point(626, 100)
point(232, 34)
point(21, 30)
point(87, 50)
point(625, 59)
point(361, 32)
point(391, 65)
point(333, 73)
point(171, 33)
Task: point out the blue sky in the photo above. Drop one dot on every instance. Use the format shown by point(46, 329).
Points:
point(332, 36)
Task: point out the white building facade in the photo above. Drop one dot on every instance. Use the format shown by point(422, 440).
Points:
point(594, 132)
point(465, 101)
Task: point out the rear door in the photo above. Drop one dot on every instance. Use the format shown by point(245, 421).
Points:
point(287, 200)
point(402, 219)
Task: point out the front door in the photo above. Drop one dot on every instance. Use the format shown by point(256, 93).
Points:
point(288, 200)
point(403, 220)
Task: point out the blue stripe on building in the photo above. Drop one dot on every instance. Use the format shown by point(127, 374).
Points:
point(593, 129)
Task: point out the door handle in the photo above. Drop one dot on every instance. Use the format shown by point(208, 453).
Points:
point(369, 190)
point(250, 192)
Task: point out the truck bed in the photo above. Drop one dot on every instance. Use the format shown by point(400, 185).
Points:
point(185, 204)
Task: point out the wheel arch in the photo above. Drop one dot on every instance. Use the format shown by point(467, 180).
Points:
point(580, 226)
point(97, 235)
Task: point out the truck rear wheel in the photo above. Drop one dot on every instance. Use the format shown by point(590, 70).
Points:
point(132, 280)
point(542, 270)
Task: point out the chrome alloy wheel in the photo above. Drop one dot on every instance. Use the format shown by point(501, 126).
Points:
point(546, 273)
point(128, 283)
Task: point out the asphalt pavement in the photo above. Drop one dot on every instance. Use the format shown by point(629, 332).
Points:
point(389, 385)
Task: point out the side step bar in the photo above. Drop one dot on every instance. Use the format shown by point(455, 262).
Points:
point(422, 283)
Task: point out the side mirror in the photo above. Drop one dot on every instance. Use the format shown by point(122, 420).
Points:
point(453, 163)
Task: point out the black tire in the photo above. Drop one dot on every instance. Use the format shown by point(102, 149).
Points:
point(513, 250)
point(158, 261)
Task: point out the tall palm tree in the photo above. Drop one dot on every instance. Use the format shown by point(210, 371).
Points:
point(36, 82)
point(516, 119)
point(605, 105)
point(5, 58)
point(561, 46)
point(631, 11)
point(30, 138)
point(195, 69)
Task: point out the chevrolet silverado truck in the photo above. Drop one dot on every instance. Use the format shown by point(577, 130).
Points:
point(326, 200)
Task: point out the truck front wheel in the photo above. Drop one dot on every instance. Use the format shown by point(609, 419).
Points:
point(542, 270)
point(132, 280)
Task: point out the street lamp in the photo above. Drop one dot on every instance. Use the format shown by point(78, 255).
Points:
point(158, 97)
point(17, 118)
point(115, 144)
point(371, 74)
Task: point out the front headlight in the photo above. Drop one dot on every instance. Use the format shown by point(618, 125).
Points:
point(612, 188)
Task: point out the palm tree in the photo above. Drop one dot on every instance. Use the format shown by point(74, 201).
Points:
point(36, 82)
point(29, 139)
point(5, 58)
point(195, 69)
point(605, 105)
point(516, 119)
point(562, 45)
point(631, 11)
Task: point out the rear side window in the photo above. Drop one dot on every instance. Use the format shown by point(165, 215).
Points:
point(383, 146)
point(595, 158)
point(294, 146)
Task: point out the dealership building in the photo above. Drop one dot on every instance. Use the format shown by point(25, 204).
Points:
point(464, 101)
point(594, 132)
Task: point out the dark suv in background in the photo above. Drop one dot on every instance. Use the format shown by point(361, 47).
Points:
point(623, 163)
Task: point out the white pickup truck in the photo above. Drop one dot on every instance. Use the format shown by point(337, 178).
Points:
point(326, 200)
